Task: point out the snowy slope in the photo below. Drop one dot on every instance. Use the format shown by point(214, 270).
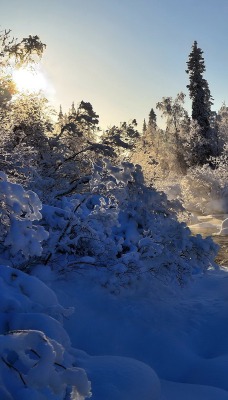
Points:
point(180, 334)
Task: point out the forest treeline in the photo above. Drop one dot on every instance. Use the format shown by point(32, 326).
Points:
point(57, 156)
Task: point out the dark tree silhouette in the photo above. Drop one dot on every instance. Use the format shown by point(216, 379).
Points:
point(198, 89)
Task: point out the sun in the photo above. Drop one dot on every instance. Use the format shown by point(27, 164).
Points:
point(29, 80)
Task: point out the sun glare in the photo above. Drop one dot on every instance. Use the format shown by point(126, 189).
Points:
point(29, 80)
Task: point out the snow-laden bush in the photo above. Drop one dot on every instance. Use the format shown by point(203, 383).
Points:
point(36, 360)
point(19, 210)
point(123, 231)
point(205, 189)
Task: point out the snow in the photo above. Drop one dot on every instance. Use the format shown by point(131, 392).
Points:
point(19, 210)
point(34, 347)
point(180, 335)
point(120, 378)
point(213, 224)
point(130, 306)
point(178, 391)
point(224, 227)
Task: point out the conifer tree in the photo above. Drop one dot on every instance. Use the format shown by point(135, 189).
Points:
point(203, 140)
point(60, 116)
point(144, 127)
point(198, 89)
point(60, 112)
point(72, 111)
point(152, 125)
point(152, 119)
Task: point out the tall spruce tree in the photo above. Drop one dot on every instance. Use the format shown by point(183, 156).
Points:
point(152, 119)
point(198, 89)
point(202, 141)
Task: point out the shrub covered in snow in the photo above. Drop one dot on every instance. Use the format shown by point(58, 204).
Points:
point(206, 189)
point(122, 231)
point(35, 350)
point(19, 209)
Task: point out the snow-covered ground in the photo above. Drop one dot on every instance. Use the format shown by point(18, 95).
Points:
point(149, 342)
point(180, 334)
point(151, 328)
point(210, 224)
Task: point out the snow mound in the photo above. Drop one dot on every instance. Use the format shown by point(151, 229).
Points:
point(180, 391)
point(120, 378)
point(36, 362)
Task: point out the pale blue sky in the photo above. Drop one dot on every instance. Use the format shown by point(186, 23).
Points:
point(124, 55)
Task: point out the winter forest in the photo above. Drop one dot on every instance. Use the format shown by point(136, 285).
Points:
point(108, 289)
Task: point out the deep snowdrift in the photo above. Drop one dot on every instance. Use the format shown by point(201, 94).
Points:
point(181, 334)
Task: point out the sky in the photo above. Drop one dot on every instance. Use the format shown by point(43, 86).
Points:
point(123, 56)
